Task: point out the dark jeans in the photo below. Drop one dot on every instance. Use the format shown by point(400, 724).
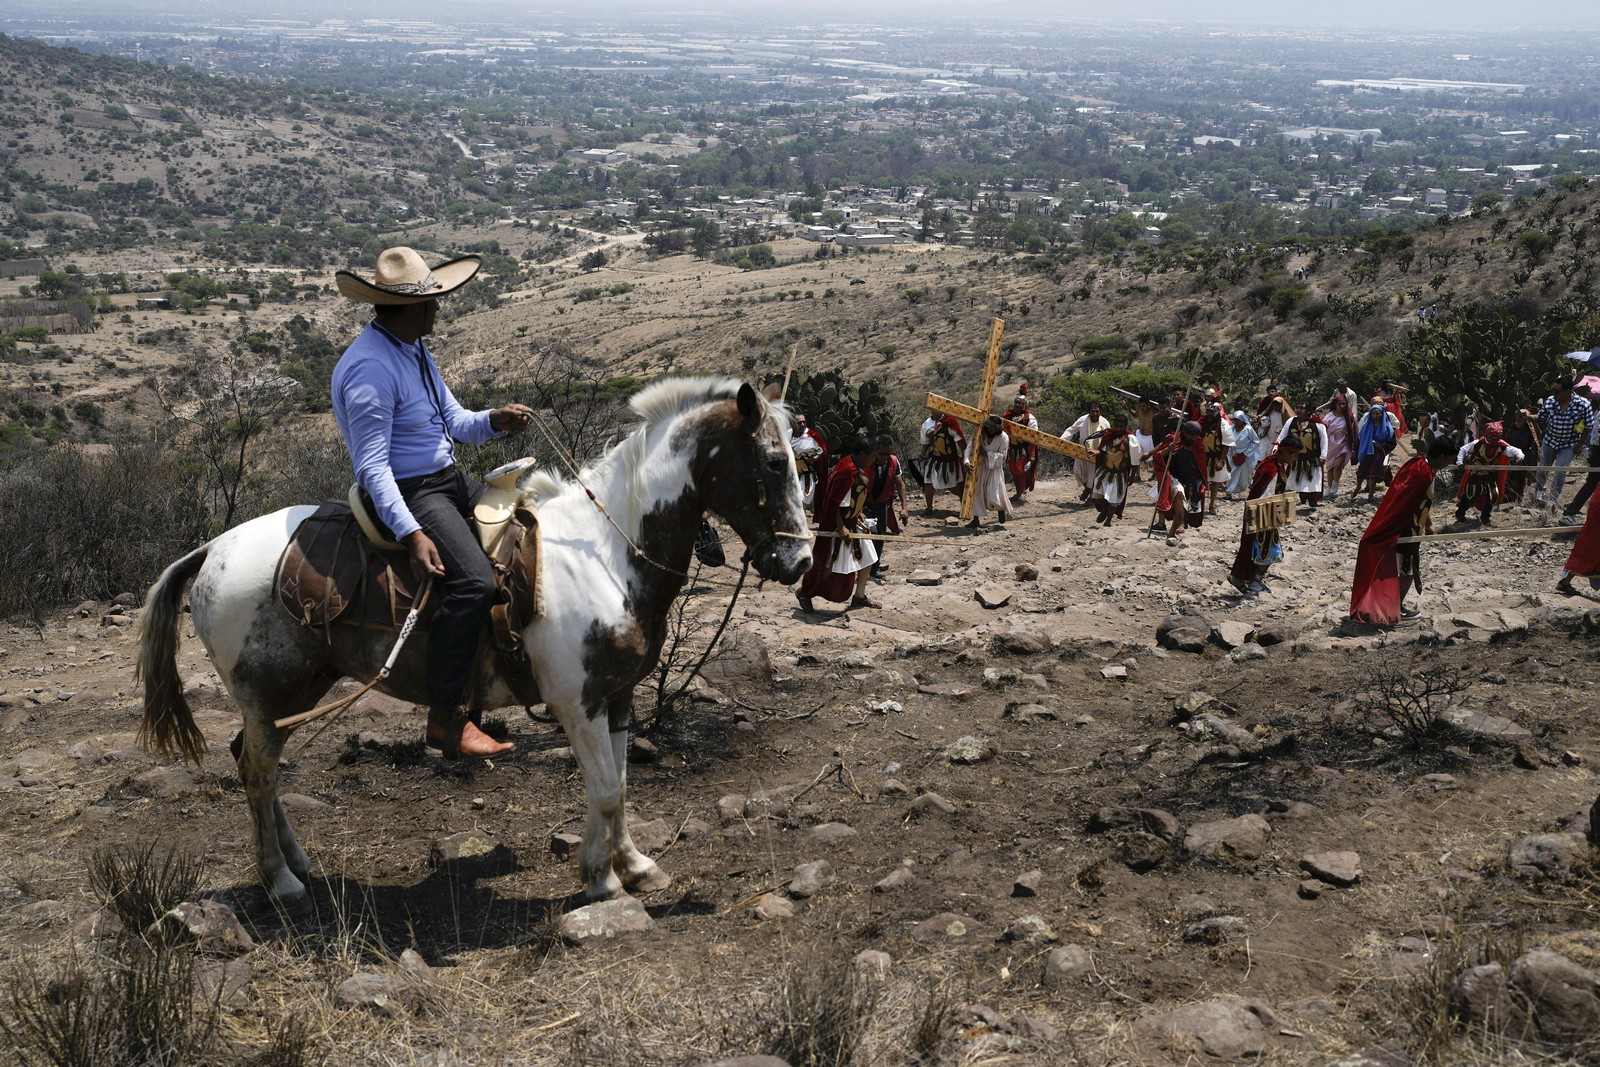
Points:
point(441, 502)
point(1589, 483)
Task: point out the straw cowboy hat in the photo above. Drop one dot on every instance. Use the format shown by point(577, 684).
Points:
point(403, 277)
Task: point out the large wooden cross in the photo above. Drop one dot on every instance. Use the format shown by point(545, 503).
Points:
point(975, 415)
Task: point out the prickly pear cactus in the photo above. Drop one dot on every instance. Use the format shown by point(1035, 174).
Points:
point(837, 409)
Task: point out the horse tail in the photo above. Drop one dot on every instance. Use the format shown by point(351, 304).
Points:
point(168, 726)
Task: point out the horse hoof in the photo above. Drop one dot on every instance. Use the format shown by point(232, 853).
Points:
point(607, 888)
point(650, 880)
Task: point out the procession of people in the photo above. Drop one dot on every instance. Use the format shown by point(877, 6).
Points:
point(1194, 454)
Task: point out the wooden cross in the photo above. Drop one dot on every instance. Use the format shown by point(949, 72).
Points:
point(976, 415)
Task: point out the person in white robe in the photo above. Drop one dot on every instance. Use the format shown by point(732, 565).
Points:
point(1243, 455)
point(1304, 474)
point(1086, 432)
point(986, 456)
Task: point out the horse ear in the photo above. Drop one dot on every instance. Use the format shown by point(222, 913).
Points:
point(750, 407)
point(772, 393)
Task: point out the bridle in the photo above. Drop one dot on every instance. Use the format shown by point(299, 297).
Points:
point(772, 533)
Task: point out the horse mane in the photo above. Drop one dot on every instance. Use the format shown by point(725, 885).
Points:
point(657, 404)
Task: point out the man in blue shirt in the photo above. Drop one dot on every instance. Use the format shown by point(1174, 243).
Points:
point(400, 422)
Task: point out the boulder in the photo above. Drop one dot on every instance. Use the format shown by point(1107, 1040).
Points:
point(384, 993)
point(829, 833)
point(209, 925)
point(1226, 1029)
point(809, 879)
point(1216, 929)
point(1544, 852)
point(1067, 963)
point(1027, 884)
point(970, 749)
point(740, 657)
point(604, 921)
point(773, 906)
point(1482, 725)
point(1020, 643)
point(1335, 868)
point(1140, 851)
point(930, 804)
point(1030, 930)
point(1244, 837)
point(947, 926)
point(1231, 633)
point(471, 848)
point(1184, 633)
point(992, 596)
point(924, 577)
point(894, 881)
point(1563, 997)
point(872, 962)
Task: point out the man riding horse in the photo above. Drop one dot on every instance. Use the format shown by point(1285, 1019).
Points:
point(400, 423)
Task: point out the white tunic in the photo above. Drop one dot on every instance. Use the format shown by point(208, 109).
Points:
point(945, 478)
point(1295, 480)
point(988, 461)
point(1081, 432)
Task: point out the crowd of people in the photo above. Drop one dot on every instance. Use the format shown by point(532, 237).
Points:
point(1188, 451)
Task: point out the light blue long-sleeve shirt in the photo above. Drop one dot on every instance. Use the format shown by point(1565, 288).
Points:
point(398, 419)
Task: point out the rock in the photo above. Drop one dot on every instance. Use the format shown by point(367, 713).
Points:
point(970, 749)
point(224, 982)
point(871, 962)
point(209, 925)
point(894, 787)
point(1029, 713)
point(930, 803)
point(1544, 852)
point(830, 833)
point(740, 657)
point(1117, 671)
point(1311, 888)
point(746, 1061)
point(86, 749)
point(117, 620)
point(1184, 633)
point(565, 846)
point(1194, 701)
point(946, 926)
point(1244, 837)
point(1340, 869)
point(471, 848)
point(1020, 643)
point(1231, 633)
point(1194, 906)
point(1027, 572)
point(1067, 963)
point(169, 782)
point(1226, 1029)
point(952, 690)
point(1027, 884)
point(1030, 930)
point(370, 739)
point(415, 967)
point(642, 750)
point(924, 577)
point(894, 881)
point(301, 802)
point(42, 913)
point(1034, 1029)
point(1216, 929)
point(1478, 724)
point(1276, 632)
point(604, 921)
point(388, 994)
point(992, 596)
point(651, 835)
point(1140, 851)
point(1563, 998)
point(1247, 652)
point(773, 906)
point(1480, 997)
point(809, 879)
point(732, 806)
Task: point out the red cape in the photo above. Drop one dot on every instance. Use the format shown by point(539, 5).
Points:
point(1585, 557)
point(1392, 403)
point(820, 580)
point(1375, 593)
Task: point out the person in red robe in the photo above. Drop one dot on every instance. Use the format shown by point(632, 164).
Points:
point(1386, 571)
point(1022, 459)
point(1484, 489)
point(842, 565)
point(886, 486)
point(1584, 560)
point(1394, 399)
point(1260, 549)
point(1180, 470)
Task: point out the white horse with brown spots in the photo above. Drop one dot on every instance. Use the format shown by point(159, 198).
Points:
point(706, 444)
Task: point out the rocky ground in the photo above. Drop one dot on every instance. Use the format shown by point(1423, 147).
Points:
point(1033, 831)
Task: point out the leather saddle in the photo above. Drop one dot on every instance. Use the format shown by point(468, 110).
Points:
point(340, 568)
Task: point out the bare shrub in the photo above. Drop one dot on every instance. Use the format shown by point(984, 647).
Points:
point(822, 1013)
point(83, 525)
point(932, 1023)
point(288, 1045)
point(140, 1010)
point(1396, 700)
point(137, 887)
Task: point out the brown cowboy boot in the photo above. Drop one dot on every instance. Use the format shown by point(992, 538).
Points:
point(456, 735)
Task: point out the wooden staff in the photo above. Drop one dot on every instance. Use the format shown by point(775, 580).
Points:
point(1479, 535)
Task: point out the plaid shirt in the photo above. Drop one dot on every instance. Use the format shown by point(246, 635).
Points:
point(1560, 426)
